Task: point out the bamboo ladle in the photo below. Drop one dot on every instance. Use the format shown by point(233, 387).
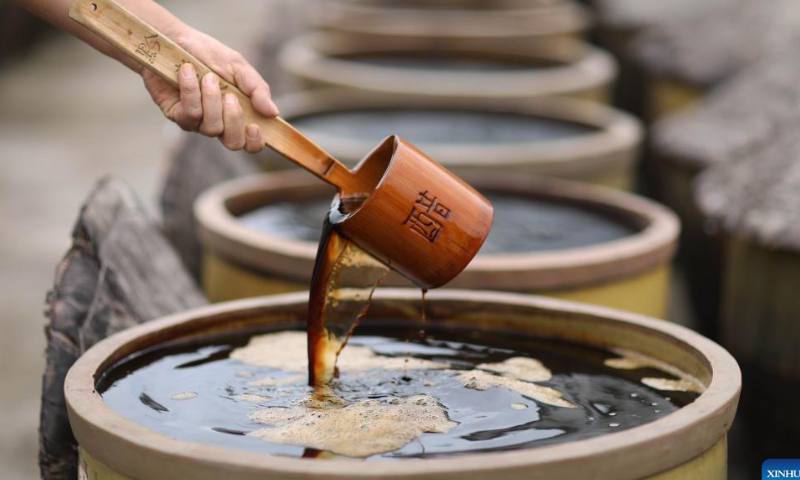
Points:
point(417, 217)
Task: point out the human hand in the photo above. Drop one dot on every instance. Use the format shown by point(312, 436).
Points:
point(199, 106)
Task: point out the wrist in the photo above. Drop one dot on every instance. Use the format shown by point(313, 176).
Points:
point(179, 33)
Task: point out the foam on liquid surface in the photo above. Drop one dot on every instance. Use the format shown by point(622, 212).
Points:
point(457, 391)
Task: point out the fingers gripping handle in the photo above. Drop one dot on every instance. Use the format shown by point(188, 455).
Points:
point(154, 51)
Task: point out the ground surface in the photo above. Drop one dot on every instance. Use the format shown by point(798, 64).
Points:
point(67, 117)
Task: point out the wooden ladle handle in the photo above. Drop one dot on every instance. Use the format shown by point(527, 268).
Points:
point(153, 50)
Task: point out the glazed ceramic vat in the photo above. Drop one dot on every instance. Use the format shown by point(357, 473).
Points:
point(557, 137)
point(630, 272)
point(687, 444)
point(507, 22)
point(410, 67)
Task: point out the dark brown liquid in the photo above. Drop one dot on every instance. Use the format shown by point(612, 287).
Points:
point(451, 61)
point(342, 271)
point(445, 5)
point(607, 400)
point(196, 391)
point(430, 126)
point(521, 224)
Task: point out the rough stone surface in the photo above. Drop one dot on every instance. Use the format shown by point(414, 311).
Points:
point(198, 163)
point(640, 14)
point(119, 272)
point(706, 49)
point(756, 195)
point(743, 111)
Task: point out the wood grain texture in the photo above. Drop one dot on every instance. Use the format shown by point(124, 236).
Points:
point(420, 219)
point(119, 272)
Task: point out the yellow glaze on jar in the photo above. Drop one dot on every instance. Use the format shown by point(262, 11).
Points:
point(711, 465)
point(645, 293)
point(668, 96)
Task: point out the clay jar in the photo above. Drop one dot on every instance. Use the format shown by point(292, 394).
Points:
point(500, 23)
point(114, 447)
point(414, 68)
point(628, 271)
point(558, 137)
